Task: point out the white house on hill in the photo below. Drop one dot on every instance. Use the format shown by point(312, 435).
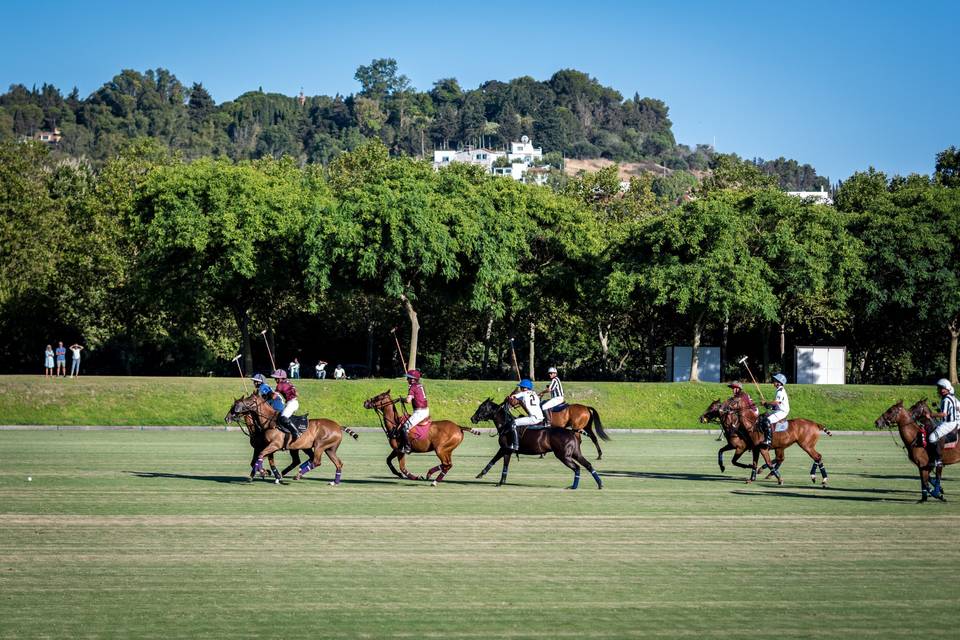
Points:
point(523, 156)
point(817, 197)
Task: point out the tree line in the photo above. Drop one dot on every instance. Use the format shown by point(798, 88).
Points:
point(569, 115)
point(162, 264)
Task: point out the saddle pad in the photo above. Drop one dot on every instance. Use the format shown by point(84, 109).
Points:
point(783, 425)
point(950, 441)
point(421, 430)
point(300, 422)
point(559, 407)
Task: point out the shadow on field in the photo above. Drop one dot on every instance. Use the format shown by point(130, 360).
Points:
point(878, 476)
point(829, 494)
point(649, 475)
point(182, 476)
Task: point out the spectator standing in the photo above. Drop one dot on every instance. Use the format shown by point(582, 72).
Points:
point(321, 370)
point(61, 360)
point(339, 373)
point(75, 349)
point(295, 368)
point(48, 362)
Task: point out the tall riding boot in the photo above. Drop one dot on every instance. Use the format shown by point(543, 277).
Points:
point(767, 432)
point(404, 433)
point(514, 436)
point(283, 422)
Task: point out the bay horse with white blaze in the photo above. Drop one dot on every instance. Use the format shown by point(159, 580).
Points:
point(322, 436)
point(442, 436)
point(564, 443)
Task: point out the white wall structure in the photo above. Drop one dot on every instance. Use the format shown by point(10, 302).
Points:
point(821, 365)
point(678, 364)
point(522, 156)
point(818, 197)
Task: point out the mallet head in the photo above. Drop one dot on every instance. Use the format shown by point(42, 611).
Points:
point(742, 360)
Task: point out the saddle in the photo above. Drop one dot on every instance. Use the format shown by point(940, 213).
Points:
point(299, 423)
point(783, 425)
point(950, 440)
point(421, 430)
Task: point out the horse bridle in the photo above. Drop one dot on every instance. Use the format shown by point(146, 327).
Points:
point(379, 409)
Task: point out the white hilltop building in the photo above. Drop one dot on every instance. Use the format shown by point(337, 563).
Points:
point(523, 157)
point(817, 197)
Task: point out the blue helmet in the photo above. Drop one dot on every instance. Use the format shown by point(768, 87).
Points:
point(525, 384)
point(782, 379)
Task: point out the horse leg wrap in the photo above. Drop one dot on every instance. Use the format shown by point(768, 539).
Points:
point(823, 471)
point(503, 477)
point(576, 479)
point(336, 478)
point(596, 476)
point(258, 467)
point(276, 474)
point(434, 470)
point(441, 476)
point(305, 467)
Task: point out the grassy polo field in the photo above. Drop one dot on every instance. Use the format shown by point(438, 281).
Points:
point(149, 533)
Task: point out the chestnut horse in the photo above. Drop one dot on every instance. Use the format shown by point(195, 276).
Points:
point(580, 417)
point(730, 428)
point(801, 431)
point(322, 435)
point(564, 443)
point(443, 437)
point(913, 438)
point(255, 436)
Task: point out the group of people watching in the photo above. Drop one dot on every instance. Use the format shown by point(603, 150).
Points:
point(60, 355)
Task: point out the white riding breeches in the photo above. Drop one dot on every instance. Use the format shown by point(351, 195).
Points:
point(551, 403)
point(292, 406)
point(776, 417)
point(942, 430)
point(416, 418)
point(526, 421)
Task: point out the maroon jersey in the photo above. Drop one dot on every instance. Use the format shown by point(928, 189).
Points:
point(748, 401)
point(287, 390)
point(417, 396)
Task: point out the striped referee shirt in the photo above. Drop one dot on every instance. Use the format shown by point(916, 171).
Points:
point(949, 408)
point(556, 389)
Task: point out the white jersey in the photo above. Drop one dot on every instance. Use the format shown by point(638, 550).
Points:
point(530, 402)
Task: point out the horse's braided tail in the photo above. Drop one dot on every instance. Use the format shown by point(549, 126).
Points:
point(824, 429)
point(351, 432)
point(471, 430)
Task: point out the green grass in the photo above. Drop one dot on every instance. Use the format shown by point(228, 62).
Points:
point(204, 401)
point(144, 534)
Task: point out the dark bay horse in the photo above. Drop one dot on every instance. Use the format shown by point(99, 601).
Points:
point(443, 437)
point(562, 442)
point(805, 433)
point(249, 429)
point(912, 435)
point(322, 435)
point(580, 417)
point(734, 433)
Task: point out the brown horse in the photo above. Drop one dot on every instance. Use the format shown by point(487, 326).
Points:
point(564, 443)
point(914, 441)
point(800, 431)
point(443, 437)
point(580, 417)
point(320, 436)
point(730, 428)
point(255, 436)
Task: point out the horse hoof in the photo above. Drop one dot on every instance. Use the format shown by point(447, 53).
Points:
point(813, 479)
point(332, 483)
point(723, 469)
point(434, 483)
point(275, 481)
point(824, 483)
point(479, 475)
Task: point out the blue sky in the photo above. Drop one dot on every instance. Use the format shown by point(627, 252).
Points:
point(840, 85)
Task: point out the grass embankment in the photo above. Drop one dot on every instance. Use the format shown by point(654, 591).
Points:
point(145, 534)
point(133, 401)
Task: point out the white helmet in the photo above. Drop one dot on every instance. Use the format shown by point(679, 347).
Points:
point(552, 370)
point(943, 382)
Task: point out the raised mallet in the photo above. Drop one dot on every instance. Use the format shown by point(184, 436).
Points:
point(513, 355)
point(743, 361)
point(399, 350)
point(270, 353)
point(243, 388)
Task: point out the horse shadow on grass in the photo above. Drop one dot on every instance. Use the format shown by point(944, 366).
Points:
point(674, 475)
point(832, 493)
point(184, 476)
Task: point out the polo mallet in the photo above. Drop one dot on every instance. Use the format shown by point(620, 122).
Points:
point(240, 369)
point(743, 361)
point(513, 355)
point(270, 353)
point(399, 350)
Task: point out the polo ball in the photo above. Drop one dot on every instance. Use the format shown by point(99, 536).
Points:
point(29, 479)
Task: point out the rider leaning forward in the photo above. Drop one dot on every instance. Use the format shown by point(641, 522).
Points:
point(266, 392)
point(417, 397)
point(949, 416)
point(780, 406)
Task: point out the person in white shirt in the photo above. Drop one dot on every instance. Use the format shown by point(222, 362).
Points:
point(339, 373)
point(321, 370)
point(555, 389)
point(530, 401)
point(949, 416)
point(780, 406)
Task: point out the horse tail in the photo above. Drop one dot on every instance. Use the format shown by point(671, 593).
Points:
point(824, 429)
point(595, 420)
point(351, 432)
point(471, 430)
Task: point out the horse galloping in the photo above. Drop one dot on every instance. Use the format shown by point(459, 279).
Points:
point(580, 417)
point(255, 436)
point(443, 437)
point(732, 431)
point(562, 442)
point(322, 436)
point(914, 441)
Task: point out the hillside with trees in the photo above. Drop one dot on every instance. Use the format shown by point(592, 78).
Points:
point(569, 115)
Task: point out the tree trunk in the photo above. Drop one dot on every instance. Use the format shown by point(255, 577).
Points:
point(414, 331)
point(533, 339)
point(766, 353)
point(486, 347)
point(695, 349)
point(954, 329)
